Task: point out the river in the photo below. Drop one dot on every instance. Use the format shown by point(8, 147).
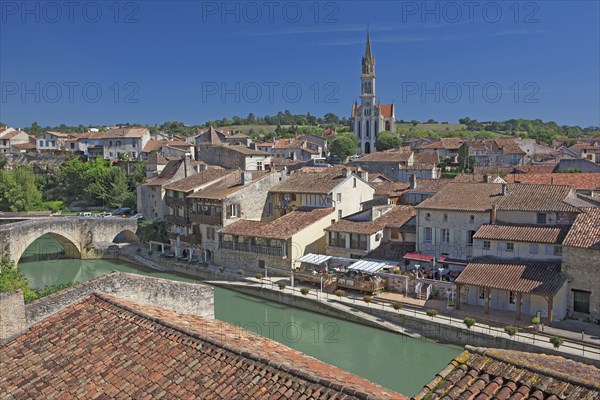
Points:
point(394, 361)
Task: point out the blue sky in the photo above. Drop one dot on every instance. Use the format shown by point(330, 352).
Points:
point(151, 61)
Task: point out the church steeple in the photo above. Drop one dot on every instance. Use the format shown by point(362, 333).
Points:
point(368, 61)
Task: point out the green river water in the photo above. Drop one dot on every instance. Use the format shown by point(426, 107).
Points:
point(397, 362)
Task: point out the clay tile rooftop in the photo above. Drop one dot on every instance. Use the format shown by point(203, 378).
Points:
point(106, 347)
point(482, 373)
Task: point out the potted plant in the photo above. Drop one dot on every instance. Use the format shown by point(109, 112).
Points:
point(397, 306)
point(240, 272)
point(259, 276)
point(221, 269)
point(432, 313)
point(367, 299)
point(556, 341)
point(281, 285)
point(339, 293)
point(450, 305)
point(536, 323)
point(304, 291)
point(469, 322)
point(150, 252)
point(510, 330)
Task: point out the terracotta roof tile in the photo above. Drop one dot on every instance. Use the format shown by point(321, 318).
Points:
point(282, 228)
point(585, 232)
point(386, 110)
point(541, 278)
point(197, 180)
point(123, 133)
point(461, 196)
point(426, 158)
point(395, 218)
point(400, 156)
point(390, 189)
point(230, 184)
point(317, 180)
point(587, 181)
point(550, 234)
point(113, 348)
point(429, 185)
point(515, 375)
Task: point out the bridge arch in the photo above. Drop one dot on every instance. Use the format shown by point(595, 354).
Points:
point(126, 236)
point(70, 246)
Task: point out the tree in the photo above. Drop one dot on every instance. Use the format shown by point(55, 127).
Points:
point(331, 118)
point(18, 190)
point(12, 279)
point(387, 140)
point(344, 145)
point(118, 193)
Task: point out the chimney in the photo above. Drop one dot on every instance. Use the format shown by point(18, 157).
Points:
point(187, 165)
point(246, 177)
point(12, 315)
point(504, 189)
point(346, 172)
point(486, 178)
point(493, 213)
point(413, 181)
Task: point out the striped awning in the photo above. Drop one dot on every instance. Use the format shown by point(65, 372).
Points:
point(369, 267)
point(315, 259)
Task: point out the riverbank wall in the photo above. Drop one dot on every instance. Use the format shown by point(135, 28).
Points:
point(428, 329)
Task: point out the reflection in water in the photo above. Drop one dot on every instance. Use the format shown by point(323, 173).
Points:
point(394, 361)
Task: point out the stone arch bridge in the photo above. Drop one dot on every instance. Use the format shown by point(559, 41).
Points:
point(80, 237)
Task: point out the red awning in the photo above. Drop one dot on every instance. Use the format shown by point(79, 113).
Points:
point(417, 257)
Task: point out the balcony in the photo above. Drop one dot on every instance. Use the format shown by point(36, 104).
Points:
point(174, 201)
point(252, 248)
point(177, 220)
point(205, 219)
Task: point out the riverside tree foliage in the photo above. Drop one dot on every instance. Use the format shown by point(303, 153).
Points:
point(99, 182)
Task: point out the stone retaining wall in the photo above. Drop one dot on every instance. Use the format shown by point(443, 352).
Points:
point(182, 297)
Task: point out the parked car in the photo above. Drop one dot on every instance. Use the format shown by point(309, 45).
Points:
point(84, 214)
point(122, 211)
point(138, 216)
point(105, 215)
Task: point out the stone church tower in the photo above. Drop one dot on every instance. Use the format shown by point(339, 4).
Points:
point(370, 116)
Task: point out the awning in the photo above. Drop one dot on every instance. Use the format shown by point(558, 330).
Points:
point(369, 267)
point(453, 261)
point(316, 259)
point(417, 257)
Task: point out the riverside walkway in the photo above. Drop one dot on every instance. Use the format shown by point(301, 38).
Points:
point(380, 314)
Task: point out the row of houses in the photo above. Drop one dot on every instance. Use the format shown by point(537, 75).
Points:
point(478, 229)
